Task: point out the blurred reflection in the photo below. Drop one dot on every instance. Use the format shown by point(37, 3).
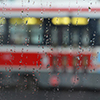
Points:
point(85, 38)
point(54, 36)
point(18, 34)
point(65, 36)
point(75, 37)
point(36, 35)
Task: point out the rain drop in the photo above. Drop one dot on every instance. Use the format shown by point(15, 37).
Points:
point(89, 9)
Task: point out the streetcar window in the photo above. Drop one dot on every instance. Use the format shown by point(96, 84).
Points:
point(98, 27)
point(2, 29)
point(75, 36)
point(85, 38)
point(18, 34)
point(54, 35)
point(57, 31)
point(17, 31)
point(25, 31)
point(65, 36)
point(73, 29)
point(36, 35)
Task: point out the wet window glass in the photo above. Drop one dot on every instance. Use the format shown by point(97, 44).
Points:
point(49, 49)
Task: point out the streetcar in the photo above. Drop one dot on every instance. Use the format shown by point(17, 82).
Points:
point(54, 44)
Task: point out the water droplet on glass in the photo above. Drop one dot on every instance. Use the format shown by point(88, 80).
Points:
point(28, 1)
point(9, 70)
point(48, 66)
point(20, 61)
point(33, 2)
point(26, 22)
point(41, 12)
point(22, 11)
point(89, 9)
point(18, 74)
point(50, 5)
point(78, 58)
point(19, 68)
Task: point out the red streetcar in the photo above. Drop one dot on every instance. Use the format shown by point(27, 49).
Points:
point(57, 44)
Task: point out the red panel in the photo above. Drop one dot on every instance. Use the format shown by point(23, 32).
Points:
point(34, 59)
point(19, 58)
